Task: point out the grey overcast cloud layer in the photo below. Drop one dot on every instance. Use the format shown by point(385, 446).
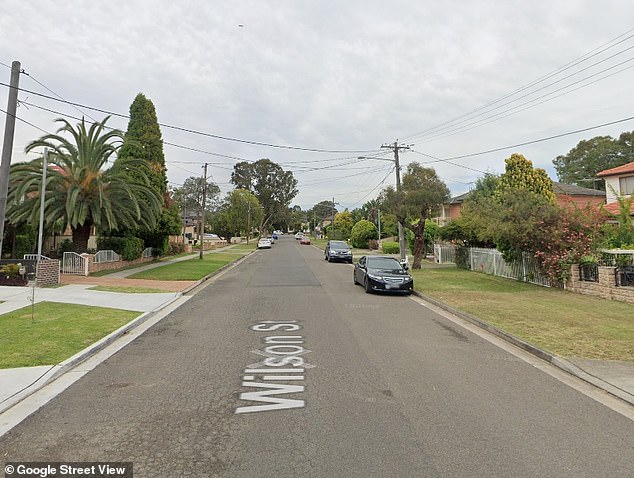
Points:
point(330, 75)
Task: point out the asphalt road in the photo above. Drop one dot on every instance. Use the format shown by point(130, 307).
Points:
point(356, 385)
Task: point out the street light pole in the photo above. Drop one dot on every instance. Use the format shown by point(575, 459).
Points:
point(202, 215)
point(42, 194)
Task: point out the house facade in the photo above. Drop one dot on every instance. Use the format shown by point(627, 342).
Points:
point(619, 183)
point(566, 195)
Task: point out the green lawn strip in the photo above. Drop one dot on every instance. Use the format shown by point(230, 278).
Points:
point(563, 323)
point(128, 290)
point(192, 269)
point(112, 271)
point(57, 332)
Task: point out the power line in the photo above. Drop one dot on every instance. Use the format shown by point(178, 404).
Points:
point(443, 134)
point(548, 138)
point(200, 133)
point(575, 62)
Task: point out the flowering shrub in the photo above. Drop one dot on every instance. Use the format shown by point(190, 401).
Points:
point(564, 239)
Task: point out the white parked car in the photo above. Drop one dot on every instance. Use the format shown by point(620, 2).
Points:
point(264, 243)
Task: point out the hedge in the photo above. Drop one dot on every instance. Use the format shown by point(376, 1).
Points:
point(129, 248)
point(391, 248)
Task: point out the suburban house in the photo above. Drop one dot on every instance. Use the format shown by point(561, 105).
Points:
point(619, 182)
point(566, 195)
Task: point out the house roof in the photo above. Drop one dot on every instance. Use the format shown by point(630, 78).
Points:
point(558, 189)
point(624, 169)
point(574, 190)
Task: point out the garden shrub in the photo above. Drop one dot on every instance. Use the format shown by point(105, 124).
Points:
point(462, 257)
point(362, 232)
point(129, 248)
point(391, 248)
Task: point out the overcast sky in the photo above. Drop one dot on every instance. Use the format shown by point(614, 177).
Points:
point(453, 78)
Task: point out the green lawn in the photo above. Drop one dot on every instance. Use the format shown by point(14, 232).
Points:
point(57, 332)
point(128, 290)
point(566, 324)
point(192, 269)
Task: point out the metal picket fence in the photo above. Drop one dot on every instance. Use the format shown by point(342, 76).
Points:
point(490, 261)
point(106, 256)
point(73, 263)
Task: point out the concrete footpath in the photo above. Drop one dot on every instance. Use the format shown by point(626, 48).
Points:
point(18, 383)
point(616, 378)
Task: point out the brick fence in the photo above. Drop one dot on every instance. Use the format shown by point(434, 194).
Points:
point(605, 287)
point(106, 266)
point(47, 273)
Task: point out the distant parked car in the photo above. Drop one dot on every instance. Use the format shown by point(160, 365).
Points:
point(338, 251)
point(382, 273)
point(305, 240)
point(264, 243)
point(299, 235)
point(275, 236)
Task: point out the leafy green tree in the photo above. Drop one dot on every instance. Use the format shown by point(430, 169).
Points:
point(189, 197)
point(243, 212)
point(274, 187)
point(520, 175)
point(362, 232)
point(389, 224)
point(143, 141)
point(79, 190)
point(323, 210)
point(582, 163)
point(343, 225)
point(621, 235)
point(422, 193)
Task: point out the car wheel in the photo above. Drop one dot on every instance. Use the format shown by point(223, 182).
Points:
point(367, 286)
point(350, 261)
point(325, 257)
point(329, 260)
point(354, 278)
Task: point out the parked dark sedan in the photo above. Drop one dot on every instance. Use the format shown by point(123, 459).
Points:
point(382, 273)
point(338, 251)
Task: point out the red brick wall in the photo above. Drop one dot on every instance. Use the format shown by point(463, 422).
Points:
point(47, 273)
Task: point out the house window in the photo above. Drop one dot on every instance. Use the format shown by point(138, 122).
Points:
point(626, 185)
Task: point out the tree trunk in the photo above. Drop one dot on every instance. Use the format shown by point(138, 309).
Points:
point(81, 234)
point(419, 244)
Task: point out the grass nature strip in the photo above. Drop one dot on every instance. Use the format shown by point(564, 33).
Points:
point(563, 323)
point(191, 269)
point(57, 332)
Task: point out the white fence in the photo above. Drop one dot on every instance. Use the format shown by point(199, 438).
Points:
point(73, 263)
point(490, 261)
point(106, 256)
point(33, 257)
point(148, 252)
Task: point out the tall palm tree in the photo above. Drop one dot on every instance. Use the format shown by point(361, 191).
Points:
point(80, 189)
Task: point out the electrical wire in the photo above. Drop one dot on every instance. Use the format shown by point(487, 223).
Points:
point(553, 73)
point(548, 138)
point(200, 133)
point(500, 115)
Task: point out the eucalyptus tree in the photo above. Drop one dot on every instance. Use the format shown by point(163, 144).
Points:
point(81, 190)
point(421, 195)
point(274, 187)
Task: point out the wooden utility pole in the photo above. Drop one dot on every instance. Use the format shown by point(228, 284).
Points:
point(7, 146)
point(401, 233)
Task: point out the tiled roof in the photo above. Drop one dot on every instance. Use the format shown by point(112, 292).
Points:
point(624, 169)
point(574, 190)
point(558, 188)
